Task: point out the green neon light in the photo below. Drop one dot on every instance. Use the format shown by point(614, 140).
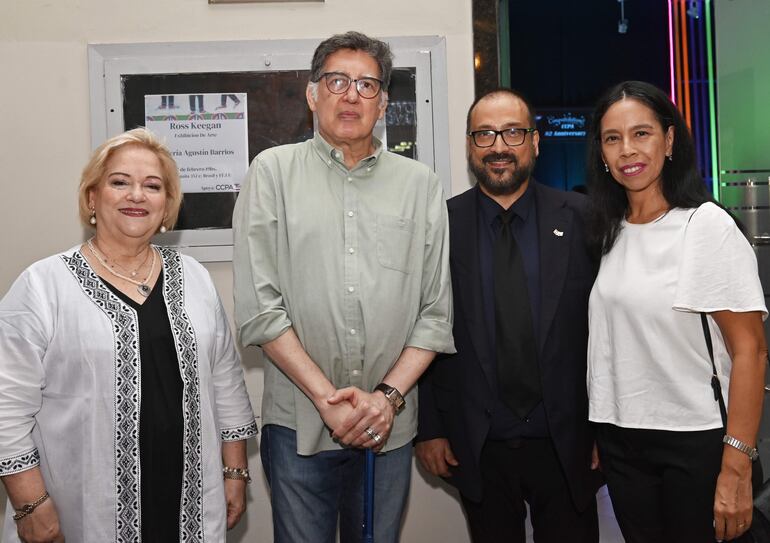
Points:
point(504, 39)
point(712, 106)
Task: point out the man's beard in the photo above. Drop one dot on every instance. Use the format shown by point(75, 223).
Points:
point(500, 186)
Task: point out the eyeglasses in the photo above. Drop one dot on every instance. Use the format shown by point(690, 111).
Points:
point(512, 137)
point(337, 83)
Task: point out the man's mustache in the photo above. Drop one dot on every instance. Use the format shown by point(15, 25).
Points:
point(500, 156)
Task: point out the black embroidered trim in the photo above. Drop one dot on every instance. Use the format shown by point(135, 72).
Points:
point(125, 328)
point(19, 462)
point(238, 433)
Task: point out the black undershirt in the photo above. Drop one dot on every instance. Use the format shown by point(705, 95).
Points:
point(161, 423)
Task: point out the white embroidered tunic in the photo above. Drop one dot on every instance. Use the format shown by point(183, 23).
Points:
point(70, 386)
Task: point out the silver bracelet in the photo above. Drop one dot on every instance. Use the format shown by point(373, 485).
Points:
point(752, 452)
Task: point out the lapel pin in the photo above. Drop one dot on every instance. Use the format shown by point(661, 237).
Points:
point(558, 233)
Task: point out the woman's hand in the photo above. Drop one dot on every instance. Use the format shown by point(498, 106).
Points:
point(41, 525)
point(733, 503)
point(745, 341)
point(235, 496)
point(234, 456)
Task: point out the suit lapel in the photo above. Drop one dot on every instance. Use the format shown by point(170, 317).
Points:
point(554, 222)
point(464, 234)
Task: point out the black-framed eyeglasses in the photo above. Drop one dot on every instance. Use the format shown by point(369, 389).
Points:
point(338, 83)
point(512, 137)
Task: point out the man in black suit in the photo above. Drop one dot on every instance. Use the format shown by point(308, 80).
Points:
point(505, 419)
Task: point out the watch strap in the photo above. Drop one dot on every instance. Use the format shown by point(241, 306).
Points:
point(392, 394)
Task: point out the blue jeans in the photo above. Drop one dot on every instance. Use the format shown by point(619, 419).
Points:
point(308, 493)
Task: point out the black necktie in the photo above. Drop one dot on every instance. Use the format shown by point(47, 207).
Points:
point(517, 372)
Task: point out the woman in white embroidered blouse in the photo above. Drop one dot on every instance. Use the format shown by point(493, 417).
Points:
point(123, 410)
point(669, 254)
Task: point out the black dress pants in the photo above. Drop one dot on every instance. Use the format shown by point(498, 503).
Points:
point(528, 470)
point(661, 483)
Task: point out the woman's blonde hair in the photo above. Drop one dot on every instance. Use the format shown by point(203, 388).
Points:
point(94, 172)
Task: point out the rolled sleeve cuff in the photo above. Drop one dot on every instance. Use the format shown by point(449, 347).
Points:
point(263, 328)
point(239, 433)
point(432, 335)
point(20, 462)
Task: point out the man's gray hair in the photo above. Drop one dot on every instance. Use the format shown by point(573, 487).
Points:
point(378, 50)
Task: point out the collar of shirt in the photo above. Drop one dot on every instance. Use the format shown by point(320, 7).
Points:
point(332, 155)
point(490, 210)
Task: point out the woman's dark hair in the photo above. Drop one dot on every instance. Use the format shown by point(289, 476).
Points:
point(682, 184)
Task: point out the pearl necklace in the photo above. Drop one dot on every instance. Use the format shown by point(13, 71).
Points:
point(142, 286)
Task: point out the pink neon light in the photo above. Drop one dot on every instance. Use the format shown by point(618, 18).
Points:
point(671, 51)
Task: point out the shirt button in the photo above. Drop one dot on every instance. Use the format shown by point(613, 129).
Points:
point(351, 289)
point(328, 162)
point(350, 178)
point(351, 250)
point(369, 169)
point(350, 213)
point(352, 331)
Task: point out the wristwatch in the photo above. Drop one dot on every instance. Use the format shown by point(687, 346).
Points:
point(752, 452)
point(393, 396)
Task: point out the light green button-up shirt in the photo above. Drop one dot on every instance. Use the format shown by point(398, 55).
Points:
point(356, 261)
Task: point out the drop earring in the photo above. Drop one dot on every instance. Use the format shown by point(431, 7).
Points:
point(606, 168)
point(670, 157)
point(163, 229)
point(92, 219)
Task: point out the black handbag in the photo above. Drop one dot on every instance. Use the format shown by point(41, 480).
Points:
point(759, 531)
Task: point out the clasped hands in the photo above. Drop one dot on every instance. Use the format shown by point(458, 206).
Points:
point(358, 419)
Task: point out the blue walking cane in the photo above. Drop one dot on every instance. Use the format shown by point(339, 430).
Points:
point(369, 497)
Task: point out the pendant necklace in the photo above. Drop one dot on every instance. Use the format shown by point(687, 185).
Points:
point(141, 286)
point(135, 272)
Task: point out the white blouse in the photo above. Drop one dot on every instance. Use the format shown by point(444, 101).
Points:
point(70, 396)
point(648, 365)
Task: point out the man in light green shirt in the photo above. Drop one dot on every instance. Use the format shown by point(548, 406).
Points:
point(342, 277)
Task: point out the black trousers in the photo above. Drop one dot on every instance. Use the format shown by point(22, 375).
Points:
point(661, 483)
point(527, 470)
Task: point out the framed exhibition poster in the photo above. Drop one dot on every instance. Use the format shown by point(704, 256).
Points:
point(218, 104)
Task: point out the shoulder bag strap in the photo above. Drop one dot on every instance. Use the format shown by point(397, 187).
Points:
point(715, 384)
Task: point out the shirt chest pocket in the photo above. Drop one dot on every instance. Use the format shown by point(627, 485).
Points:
point(394, 242)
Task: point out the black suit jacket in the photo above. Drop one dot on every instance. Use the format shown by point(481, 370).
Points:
point(455, 393)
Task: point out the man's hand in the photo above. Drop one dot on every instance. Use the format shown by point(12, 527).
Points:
point(371, 410)
point(235, 497)
point(436, 456)
point(290, 356)
point(41, 525)
point(334, 415)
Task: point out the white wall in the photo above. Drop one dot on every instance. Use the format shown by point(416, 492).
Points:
point(44, 141)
